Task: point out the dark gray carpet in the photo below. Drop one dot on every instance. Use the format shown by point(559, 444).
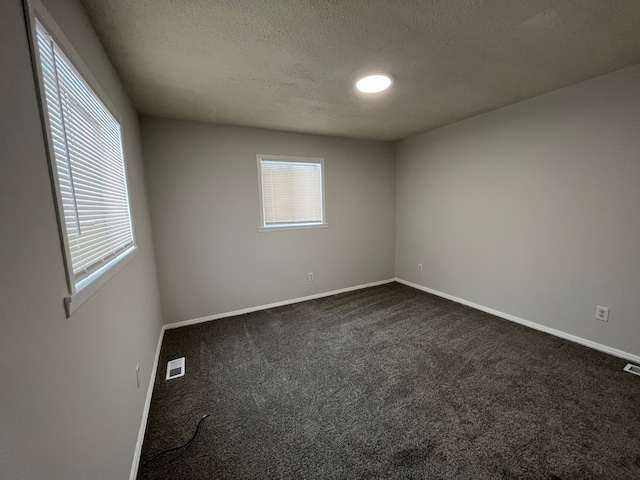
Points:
point(389, 382)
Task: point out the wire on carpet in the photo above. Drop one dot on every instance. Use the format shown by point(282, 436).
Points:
point(184, 447)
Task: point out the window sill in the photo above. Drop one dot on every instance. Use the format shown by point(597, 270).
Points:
point(91, 284)
point(279, 228)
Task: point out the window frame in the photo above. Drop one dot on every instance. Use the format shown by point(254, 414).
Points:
point(78, 292)
point(290, 226)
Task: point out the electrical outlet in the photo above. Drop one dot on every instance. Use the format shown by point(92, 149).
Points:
point(311, 276)
point(419, 267)
point(138, 375)
point(602, 313)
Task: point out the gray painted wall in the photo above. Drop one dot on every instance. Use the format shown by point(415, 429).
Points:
point(532, 209)
point(69, 405)
point(203, 191)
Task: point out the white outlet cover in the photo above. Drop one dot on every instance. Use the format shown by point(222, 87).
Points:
point(602, 313)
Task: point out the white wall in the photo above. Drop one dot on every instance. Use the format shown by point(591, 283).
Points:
point(69, 405)
point(203, 191)
point(532, 210)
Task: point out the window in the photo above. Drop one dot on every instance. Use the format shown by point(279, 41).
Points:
point(291, 192)
point(87, 164)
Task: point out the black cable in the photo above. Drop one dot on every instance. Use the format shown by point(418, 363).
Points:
point(185, 446)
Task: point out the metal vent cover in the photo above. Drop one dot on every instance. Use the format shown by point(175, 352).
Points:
point(632, 369)
point(175, 368)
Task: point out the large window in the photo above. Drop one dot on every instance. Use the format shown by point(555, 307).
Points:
point(291, 192)
point(87, 164)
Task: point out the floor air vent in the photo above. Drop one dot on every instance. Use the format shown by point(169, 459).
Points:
point(632, 368)
point(175, 368)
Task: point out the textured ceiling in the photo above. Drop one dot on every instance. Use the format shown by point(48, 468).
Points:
point(291, 64)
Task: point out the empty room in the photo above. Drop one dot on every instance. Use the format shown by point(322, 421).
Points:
point(320, 239)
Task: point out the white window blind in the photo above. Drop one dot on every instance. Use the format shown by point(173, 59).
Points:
point(291, 192)
point(89, 165)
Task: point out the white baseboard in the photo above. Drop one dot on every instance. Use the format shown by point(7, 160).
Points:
point(528, 323)
point(145, 411)
point(276, 304)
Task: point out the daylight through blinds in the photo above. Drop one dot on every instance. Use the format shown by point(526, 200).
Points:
point(87, 148)
point(291, 192)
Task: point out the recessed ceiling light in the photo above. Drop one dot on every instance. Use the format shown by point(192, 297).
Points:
point(373, 83)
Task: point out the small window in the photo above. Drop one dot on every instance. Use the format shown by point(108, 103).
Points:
point(291, 192)
point(87, 164)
